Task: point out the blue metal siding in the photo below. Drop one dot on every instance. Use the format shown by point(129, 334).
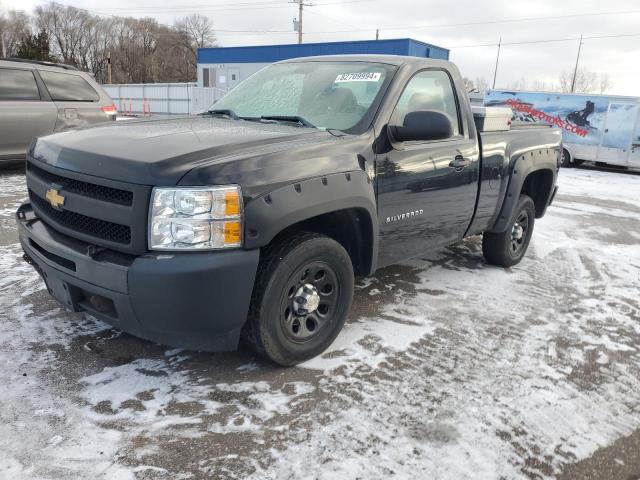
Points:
point(275, 53)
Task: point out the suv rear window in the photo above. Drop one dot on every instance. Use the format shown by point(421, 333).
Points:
point(65, 87)
point(18, 85)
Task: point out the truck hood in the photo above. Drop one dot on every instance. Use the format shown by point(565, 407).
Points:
point(162, 151)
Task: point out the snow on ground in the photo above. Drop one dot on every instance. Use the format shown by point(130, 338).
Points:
point(447, 368)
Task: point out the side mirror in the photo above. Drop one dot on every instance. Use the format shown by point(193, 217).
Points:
point(424, 125)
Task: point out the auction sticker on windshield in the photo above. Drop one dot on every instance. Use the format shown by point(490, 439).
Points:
point(358, 77)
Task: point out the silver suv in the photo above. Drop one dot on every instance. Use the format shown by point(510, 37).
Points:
point(39, 98)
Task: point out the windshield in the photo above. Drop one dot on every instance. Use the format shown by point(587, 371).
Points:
point(327, 95)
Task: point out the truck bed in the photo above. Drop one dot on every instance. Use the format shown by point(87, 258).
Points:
point(500, 152)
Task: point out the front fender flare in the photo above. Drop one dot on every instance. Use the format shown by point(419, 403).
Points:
point(271, 213)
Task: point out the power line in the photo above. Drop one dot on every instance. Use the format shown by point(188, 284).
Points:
point(510, 20)
point(317, 14)
point(219, 8)
point(527, 42)
point(546, 40)
point(269, 5)
point(484, 22)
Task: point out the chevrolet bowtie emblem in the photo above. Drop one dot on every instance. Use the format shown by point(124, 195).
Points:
point(54, 198)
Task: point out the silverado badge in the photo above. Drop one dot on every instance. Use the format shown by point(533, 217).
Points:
point(56, 200)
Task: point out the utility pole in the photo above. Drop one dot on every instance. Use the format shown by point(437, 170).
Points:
point(300, 8)
point(495, 72)
point(297, 23)
point(109, 67)
point(575, 71)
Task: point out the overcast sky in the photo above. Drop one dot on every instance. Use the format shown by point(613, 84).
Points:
point(270, 21)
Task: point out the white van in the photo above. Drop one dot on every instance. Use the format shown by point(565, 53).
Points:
point(598, 128)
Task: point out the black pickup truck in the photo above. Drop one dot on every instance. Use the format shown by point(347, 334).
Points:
point(251, 220)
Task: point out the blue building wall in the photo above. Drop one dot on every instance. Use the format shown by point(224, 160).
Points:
point(275, 53)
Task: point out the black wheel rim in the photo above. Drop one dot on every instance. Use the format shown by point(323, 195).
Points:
point(519, 232)
point(300, 326)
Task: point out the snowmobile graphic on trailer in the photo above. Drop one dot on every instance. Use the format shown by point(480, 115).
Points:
point(581, 118)
point(599, 128)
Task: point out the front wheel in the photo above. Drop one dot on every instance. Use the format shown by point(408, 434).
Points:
point(301, 298)
point(507, 248)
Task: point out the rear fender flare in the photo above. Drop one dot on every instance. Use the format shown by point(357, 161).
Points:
point(525, 164)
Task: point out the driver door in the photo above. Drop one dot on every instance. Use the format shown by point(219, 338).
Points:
point(426, 190)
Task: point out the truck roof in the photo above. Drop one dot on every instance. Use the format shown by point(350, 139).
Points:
point(396, 60)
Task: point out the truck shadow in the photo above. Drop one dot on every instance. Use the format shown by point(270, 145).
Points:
point(112, 348)
point(604, 168)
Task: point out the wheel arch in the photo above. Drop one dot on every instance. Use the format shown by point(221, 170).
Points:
point(568, 150)
point(539, 186)
point(341, 206)
point(533, 173)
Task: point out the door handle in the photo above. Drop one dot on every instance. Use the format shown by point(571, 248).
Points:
point(460, 162)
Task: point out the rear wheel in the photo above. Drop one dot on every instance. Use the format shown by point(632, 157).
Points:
point(507, 249)
point(568, 161)
point(301, 298)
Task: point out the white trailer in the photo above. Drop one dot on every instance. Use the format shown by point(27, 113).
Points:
point(598, 128)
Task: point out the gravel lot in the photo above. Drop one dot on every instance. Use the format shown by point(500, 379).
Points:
point(448, 368)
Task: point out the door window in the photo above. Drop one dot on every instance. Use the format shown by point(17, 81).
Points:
point(65, 87)
point(18, 85)
point(428, 90)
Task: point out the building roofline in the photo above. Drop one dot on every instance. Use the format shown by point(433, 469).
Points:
point(312, 44)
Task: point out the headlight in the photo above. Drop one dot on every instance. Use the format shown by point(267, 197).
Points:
point(195, 218)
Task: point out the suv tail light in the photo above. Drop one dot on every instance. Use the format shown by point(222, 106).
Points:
point(110, 110)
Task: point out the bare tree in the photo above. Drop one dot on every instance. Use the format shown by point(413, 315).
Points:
point(14, 28)
point(468, 84)
point(198, 30)
point(68, 28)
point(605, 83)
point(522, 84)
point(482, 85)
point(586, 81)
point(141, 50)
point(195, 31)
point(543, 86)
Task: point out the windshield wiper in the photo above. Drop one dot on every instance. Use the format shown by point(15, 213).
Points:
point(224, 111)
point(289, 118)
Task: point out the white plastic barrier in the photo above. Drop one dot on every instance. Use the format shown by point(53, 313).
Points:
point(162, 98)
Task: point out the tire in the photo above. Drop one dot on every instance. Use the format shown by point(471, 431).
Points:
point(566, 159)
point(507, 249)
point(278, 325)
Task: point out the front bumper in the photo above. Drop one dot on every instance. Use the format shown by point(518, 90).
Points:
point(188, 300)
